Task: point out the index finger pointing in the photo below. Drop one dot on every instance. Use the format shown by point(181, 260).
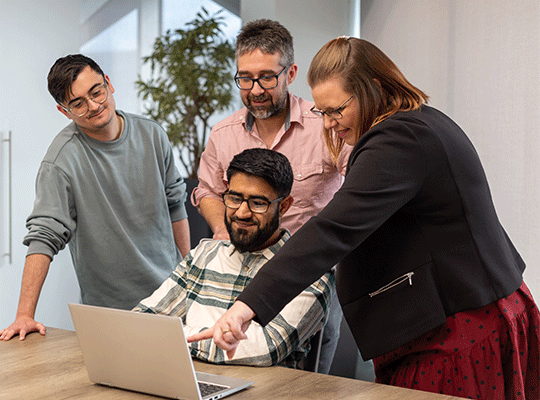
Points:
point(206, 334)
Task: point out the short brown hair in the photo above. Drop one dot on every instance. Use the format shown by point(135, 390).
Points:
point(65, 71)
point(268, 36)
point(367, 73)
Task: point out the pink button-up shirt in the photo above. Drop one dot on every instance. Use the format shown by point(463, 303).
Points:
point(316, 177)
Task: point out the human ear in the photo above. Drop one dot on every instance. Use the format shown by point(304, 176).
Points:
point(285, 204)
point(109, 84)
point(291, 73)
point(61, 109)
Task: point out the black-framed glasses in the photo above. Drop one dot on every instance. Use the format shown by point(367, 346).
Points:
point(265, 81)
point(79, 106)
point(255, 204)
point(334, 114)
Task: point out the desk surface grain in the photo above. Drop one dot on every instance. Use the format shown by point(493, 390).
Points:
point(51, 367)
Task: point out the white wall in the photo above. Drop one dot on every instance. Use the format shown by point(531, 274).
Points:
point(33, 35)
point(480, 63)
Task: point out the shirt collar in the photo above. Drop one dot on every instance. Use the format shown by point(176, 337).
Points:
point(267, 252)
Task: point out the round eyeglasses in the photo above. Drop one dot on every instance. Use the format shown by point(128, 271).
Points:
point(255, 205)
point(334, 114)
point(79, 106)
point(266, 81)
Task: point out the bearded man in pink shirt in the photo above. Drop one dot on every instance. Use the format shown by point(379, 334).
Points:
point(275, 119)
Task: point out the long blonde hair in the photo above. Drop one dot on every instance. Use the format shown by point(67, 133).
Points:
point(366, 72)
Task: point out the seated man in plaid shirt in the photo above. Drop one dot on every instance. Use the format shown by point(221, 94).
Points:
point(214, 273)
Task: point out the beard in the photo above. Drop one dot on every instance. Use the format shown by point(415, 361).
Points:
point(275, 107)
point(244, 240)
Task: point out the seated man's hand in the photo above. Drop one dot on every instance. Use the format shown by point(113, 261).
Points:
point(22, 326)
point(229, 329)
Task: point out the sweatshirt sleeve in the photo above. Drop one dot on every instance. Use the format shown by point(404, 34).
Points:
point(175, 187)
point(53, 219)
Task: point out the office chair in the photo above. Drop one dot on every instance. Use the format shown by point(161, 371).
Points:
point(311, 361)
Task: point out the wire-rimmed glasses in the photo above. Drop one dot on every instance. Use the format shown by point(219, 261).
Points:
point(79, 106)
point(335, 113)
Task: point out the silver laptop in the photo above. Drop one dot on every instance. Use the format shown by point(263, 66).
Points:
point(144, 353)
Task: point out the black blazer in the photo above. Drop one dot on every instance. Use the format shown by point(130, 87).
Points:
point(414, 231)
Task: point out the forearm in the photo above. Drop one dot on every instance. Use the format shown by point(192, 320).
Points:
point(213, 211)
point(182, 236)
point(35, 271)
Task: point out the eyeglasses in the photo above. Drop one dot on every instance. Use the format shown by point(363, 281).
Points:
point(265, 81)
point(79, 106)
point(255, 205)
point(335, 113)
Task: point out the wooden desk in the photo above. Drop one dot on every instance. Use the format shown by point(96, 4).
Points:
point(52, 367)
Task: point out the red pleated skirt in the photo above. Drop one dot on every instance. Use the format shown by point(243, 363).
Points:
point(492, 352)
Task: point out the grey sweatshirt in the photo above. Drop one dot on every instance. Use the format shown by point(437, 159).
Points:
point(114, 203)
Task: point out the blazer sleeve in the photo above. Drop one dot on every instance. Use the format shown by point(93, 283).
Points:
point(386, 170)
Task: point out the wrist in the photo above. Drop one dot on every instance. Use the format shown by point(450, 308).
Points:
point(244, 310)
point(25, 311)
point(23, 315)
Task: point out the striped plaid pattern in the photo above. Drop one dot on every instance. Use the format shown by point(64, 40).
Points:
point(207, 282)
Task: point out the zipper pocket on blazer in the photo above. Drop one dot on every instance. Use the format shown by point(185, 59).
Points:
point(395, 282)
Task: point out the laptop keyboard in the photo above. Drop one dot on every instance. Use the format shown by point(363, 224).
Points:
point(210, 388)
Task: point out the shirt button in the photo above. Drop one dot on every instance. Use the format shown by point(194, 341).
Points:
point(246, 268)
point(299, 176)
point(260, 143)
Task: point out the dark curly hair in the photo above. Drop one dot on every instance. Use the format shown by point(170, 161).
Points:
point(267, 164)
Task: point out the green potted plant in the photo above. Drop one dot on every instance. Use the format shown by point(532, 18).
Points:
point(191, 78)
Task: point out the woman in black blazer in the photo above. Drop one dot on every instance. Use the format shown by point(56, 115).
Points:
point(429, 282)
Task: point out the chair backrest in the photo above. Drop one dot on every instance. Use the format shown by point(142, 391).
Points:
point(311, 362)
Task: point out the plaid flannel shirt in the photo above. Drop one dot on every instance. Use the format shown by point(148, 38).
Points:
point(207, 282)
